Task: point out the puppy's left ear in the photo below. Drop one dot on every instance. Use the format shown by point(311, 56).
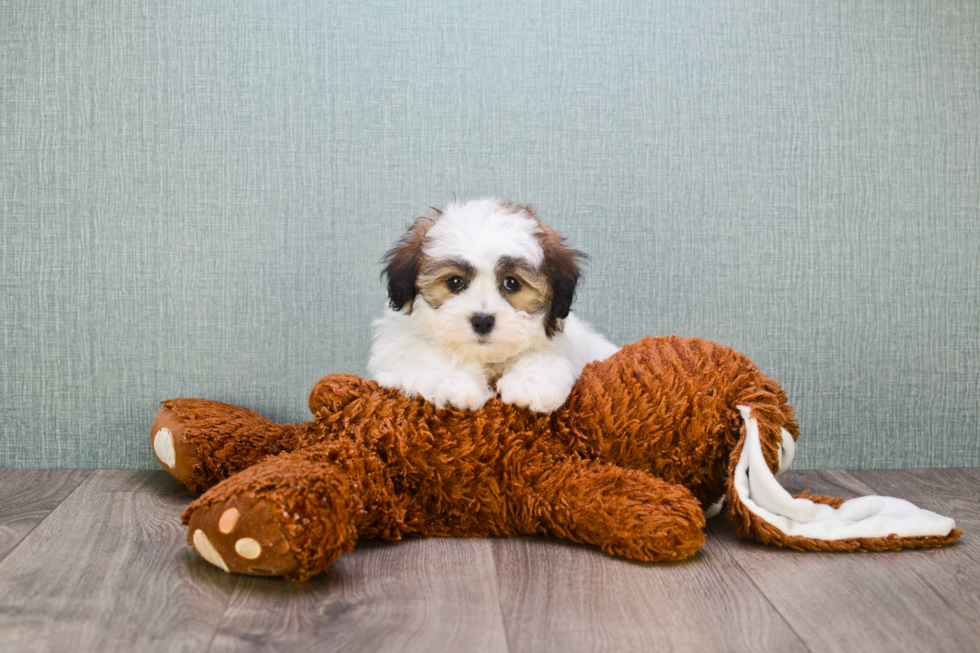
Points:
point(561, 266)
point(402, 265)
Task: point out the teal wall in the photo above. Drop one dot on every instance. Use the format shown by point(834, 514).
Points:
point(195, 196)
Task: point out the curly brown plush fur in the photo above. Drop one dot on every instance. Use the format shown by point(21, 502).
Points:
point(646, 440)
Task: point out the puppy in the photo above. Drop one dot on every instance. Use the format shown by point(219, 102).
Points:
point(479, 297)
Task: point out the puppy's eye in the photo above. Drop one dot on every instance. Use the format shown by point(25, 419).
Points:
point(511, 284)
point(455, 283)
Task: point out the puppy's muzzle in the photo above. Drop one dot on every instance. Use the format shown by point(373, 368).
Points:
point(482, 324)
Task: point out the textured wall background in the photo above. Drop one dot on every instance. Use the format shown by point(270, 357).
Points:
point(194, 197)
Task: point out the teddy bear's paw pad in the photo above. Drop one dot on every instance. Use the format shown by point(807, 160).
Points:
point(174, 453)
point(248, 548)
point(163, 447)
point(228, 520)
point(242, 538)
point(207, 550)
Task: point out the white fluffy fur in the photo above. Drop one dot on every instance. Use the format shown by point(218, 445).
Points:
point(435, 352)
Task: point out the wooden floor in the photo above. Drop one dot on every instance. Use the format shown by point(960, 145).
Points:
point(97, 561)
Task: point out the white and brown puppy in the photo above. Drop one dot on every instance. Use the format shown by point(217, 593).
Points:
point(479, 296)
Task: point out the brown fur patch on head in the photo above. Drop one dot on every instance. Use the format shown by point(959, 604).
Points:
point(533, 294)
point(560, 268)
point(433, 279)
point(403, 262)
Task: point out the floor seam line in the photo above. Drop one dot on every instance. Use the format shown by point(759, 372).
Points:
point(16, 546)
point(762, 593)
point(752, 580)
point(224, 613)
point(500, 607)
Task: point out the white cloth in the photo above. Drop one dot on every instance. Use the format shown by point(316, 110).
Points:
point(870, 516)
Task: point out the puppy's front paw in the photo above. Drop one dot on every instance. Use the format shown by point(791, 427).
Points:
point(541, 395)
point(458, 391)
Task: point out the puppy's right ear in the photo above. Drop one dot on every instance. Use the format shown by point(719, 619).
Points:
point(402, 265)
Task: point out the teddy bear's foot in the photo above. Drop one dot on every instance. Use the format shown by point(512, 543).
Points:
point(291, 515)
point(201, 443)
point(242, 536)
point(173, 450)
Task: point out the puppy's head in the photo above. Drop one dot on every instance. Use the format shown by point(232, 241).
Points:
point(486, 277)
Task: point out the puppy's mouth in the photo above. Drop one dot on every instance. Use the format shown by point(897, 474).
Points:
point(483, 340)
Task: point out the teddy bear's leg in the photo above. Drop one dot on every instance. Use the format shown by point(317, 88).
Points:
point(625, 512)
point(287, 516)
point(203, 442)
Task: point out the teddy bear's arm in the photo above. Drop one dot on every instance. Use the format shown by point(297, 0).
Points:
point(625, 512)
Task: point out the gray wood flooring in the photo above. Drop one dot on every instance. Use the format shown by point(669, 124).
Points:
point(97, 561)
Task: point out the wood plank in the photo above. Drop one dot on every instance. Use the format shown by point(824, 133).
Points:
point(559, 596)
point(971, 472)
point(890, 601)
point(110, 570)
point(414, 595)
point(27, 496)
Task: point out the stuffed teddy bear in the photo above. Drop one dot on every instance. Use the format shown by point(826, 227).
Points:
point(648, 441)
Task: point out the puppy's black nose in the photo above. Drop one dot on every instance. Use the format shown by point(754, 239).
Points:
point(482, 324)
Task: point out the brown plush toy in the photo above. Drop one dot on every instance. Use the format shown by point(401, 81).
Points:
point(647, 442)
